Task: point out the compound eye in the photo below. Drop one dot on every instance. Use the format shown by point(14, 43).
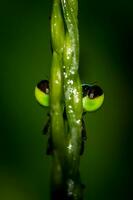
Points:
point(42, 93)
point(93, 97)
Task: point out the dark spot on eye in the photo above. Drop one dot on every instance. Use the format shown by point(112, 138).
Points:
point(44, 86)
point(92, 91)
point(85, 89)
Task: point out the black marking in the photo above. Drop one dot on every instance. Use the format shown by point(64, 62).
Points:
point(83, 186)
point(46, 127)
point(92, 91)
point(83, 137)
point(44, 86)
point(50, 18)
point(82, 148)
point(49, 150)
point(64, 114)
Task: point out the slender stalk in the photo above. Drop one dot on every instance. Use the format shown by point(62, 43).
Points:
point(72, 85)
point(65, 99)
point(56, 83)
point(56, 105)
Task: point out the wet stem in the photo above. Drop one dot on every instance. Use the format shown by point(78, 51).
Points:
point(65, 102)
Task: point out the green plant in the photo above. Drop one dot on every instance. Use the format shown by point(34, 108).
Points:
point(68, 101)
point(66, 137)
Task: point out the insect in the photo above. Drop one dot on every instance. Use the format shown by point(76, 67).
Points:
point(92, 99)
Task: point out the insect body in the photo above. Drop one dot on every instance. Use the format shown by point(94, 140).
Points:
point(93, 98)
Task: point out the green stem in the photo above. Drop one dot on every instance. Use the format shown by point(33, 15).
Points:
point(65, 98)
point(56, 88)
point(72, 85)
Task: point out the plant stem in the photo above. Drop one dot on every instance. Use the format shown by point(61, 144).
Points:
point(65, 98)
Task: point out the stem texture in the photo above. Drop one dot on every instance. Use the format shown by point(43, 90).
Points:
point(65, 102)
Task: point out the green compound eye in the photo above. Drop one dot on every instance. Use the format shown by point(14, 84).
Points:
point(93, 97)
point(42, 93)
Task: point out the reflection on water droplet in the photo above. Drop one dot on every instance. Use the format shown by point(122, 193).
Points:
point(65, 74)
point(69, 147)
point(70, 187)
point(70, 82)
point(78, 121)
point(56, 81)
point(72, 72)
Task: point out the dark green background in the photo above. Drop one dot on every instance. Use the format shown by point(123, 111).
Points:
point(106, 42)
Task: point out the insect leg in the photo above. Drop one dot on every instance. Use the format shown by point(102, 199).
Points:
point(83, 137)
point(47, 126)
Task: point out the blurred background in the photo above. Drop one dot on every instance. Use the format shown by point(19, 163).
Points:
point(106, 41)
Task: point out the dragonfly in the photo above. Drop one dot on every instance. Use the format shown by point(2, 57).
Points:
point(92, 100)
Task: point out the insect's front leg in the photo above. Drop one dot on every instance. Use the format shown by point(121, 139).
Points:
point(47, 131)
point(83, 137)
point(46, 128)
